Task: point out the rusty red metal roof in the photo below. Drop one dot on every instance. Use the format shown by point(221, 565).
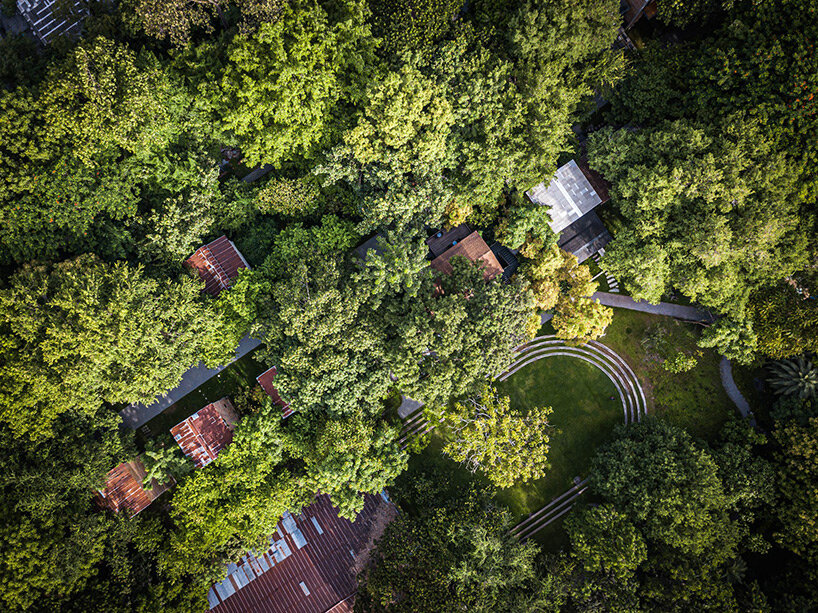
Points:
point(265, 380)
point(311, 565)
point(205, 433)
point(123, 489)
point(218, 264)
point(475, 249)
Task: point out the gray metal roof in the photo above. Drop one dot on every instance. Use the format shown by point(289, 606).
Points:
point(585, 237)
point(569, 194)
point(47, 22)
point(373, 244)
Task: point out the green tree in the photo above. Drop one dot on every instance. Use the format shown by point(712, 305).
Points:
point(560, 283)
point(283, 85)
point(458, 331)
point(785, 322)
point(72, 147)
point(348, 457)
point(175, 21)
point(405, 123)
point(175, 228)
point(698, 206)
point(693, 506)
point(238, 500)
point(796, 463)
point(163, 462)
point(81, 332)
point(398, 268)
point(605, 541)
point(288, 197)
point(508, 445)
point(51, 540)
point(412, 25)
point(327, 343)
point(453, 557)
point(687, 12)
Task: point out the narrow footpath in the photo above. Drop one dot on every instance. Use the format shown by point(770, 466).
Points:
point(729, 384)
point(686, 313)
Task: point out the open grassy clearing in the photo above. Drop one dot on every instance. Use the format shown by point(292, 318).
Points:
point(694, 400)
point(586, 410)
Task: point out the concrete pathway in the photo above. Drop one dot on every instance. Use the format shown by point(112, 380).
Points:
point(136, 415)
point(726, 372)
point(687, 313)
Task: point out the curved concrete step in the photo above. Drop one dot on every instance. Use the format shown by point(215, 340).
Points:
point(623, 379)
point(618, 365)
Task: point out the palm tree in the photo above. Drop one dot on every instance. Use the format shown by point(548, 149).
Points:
point(791, 377)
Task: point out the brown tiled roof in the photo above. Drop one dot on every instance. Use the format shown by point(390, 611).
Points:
point(311, 565)
point(218, 264)
point(265, 380)
point(123, 489)
point(205, 433)
point(475, 249)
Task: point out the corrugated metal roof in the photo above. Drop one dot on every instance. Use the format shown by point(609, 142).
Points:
point(123, 489)
point(475, 249)
point(205, 433)
point(218, 264)
point(45, 25)
point(585, 237)
point(569, 195)
point(325, 565)
point(265, 380)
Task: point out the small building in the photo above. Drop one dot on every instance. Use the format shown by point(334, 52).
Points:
point(311, 563)
point(572, 195)
point(265, 380)
point(461, 241)
point(123, 488)
point(205, 433)
point(218, 264)
point(48, 21)
point(440, 242)
point(633, 10)
point(373, 244)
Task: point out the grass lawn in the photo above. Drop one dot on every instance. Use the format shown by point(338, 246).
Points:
point(694, 400)
point(584, 417)
point(240, 373)
point(586, 411)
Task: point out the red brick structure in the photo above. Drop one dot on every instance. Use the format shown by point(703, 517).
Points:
point(218, 264)
point(311, 565)
point(205, 433)
point(265, 380)
point(123, 489)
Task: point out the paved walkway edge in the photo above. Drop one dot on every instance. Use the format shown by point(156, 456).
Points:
point(136, 415)
point(687, 313)
point(729, 384)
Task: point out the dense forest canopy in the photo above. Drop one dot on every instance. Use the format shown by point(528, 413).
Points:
point(124, 149)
